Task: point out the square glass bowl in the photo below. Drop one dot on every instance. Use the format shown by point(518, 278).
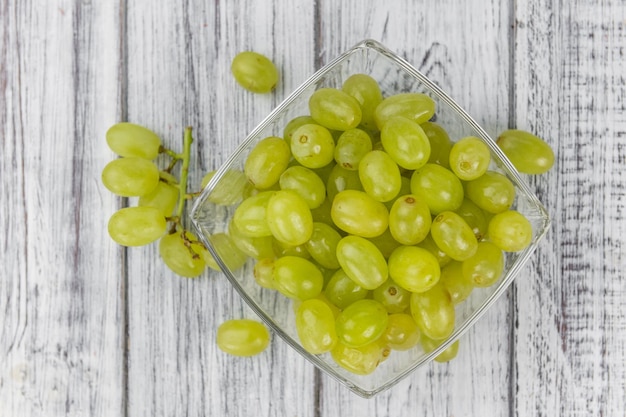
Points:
point(394, 75)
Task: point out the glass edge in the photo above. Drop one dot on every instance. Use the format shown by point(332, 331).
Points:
point(442, 95)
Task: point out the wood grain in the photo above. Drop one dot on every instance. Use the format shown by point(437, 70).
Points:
point(89, 329)
point(570, 341)
point(182, 64)
point(60, 296)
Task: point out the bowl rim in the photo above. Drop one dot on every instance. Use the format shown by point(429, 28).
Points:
point(434, 89)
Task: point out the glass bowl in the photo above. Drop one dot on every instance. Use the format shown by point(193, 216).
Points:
point(394, 75)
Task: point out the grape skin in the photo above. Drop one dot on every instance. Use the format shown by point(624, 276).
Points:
point(335, 109)
point(131, 140)
point(267, 161)
point(242, 337)
point(361, 323)
point(180, 255)
point(254, 72)
point(528, 153)
point(137, 226)
point(510, 231)
point(469, 158)
point(130, 177)
point(315, 324)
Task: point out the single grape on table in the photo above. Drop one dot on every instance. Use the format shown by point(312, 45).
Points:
point(254, 72)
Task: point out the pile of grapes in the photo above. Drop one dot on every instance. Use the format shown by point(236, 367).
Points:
point(374, 222)
point(364, 213)
point(160, 198)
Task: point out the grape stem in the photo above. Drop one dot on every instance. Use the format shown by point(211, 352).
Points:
point(184, 172)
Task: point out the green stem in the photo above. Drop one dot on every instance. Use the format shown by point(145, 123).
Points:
point(170, 153)
point(182, 187)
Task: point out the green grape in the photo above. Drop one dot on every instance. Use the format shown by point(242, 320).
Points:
point(254, 72)
point(409, 220)
point(485, 267)
point(304, 182)
point(453, 236)
point(232, 257)
point(455, 283)
point(378, 145)
point(433, 312)
point(181, 252)
point(232, 187)
point(402, 332)
point(357, 213)
point(324, 172)
point(322, 245)
point(333, 308)
point(263, 270)
point(335, 109)
point(492, 192)
point(250, 216)
point(341, 179)
point(297, 278)
point(164, 197)
point(295, 124)
point(266, 162)
point(342, 291)
point(289, 218)
point(510, 231)
point(362, 322)
point(242, 337)
point(131, 140)
point(137, 226)
point(321, 214)
point(429, 244)
point(255, 247)
point(405, 141)
point(438, 187)
point(413, 268)
point(528, 153)
point(474, 216)
point(352, 146)
point(367, 92)
point(440, 144)
point(315, 324)
point(130, 177)
point(361, 360)
point(362, 261)
point(385, 243)
point(327, 274)
point(469, 158)
point(395, 298)
point(283, 249)
point(446, 355)
point(405, 189)
point(379, 176)
point(414, 106)
point(312, 146)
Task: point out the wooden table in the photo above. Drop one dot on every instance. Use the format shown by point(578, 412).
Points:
point(91, 329)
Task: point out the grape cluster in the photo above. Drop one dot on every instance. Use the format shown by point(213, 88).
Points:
point(159, 195)
point(373, 221)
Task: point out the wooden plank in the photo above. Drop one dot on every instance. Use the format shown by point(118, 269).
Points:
point(570, 345)
point(61, 339)
point(463, 47)
point(179, 74)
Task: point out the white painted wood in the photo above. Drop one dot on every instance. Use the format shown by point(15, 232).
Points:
point(61, 316)
point(179, 74)
point(88, 329)
point(570, 342)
